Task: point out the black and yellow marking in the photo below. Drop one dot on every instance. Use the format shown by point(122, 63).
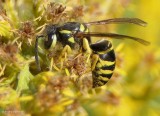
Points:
point(104, 62)
point(76, 36)
point(67, 32)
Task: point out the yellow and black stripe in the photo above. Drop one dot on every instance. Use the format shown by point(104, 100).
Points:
point(67, 32)
point(103, 63)
point(72, 34)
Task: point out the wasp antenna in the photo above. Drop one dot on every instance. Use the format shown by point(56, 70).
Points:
point(36, 52)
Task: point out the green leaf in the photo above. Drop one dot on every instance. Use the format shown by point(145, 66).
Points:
point(24, 78)
point(5, 29)
point(9, 80)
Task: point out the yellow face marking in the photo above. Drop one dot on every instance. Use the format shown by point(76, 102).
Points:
point(82, 28)
point(54, 37)
point(71, 39)
point(65, 31)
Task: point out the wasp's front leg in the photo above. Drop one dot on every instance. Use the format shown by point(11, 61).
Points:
point(63, 56)
point(58, 56)
point(86, 48)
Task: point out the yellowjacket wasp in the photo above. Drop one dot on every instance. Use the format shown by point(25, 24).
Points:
point(102, 52)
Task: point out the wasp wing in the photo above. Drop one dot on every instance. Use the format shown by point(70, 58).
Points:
point(119, 20)
point(111, 35)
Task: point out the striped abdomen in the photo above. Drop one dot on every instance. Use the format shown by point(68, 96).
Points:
point(103, 62)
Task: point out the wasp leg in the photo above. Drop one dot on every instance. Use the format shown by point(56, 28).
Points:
point(103, 62)
point(86, 48)
point(67, 50)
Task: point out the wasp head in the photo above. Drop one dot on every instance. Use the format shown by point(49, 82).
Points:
point(48, 40)
point(51, 39)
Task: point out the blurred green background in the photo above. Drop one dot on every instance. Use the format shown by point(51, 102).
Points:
point(134, 89)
